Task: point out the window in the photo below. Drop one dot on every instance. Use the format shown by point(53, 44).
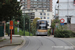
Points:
point(40, 13)
point(25, 2)
point(44, 13)
point(31, 5)
point(48, 21)
point(33, 13)
point(28, 10)
point(47, 3)
point(44, 0)
point(32, 17)
point(47, 0)
point(36, 9)
point(39, 6)
point(39, 0)
point(44, 17)
point(48, 14)
point(32, 0)
point(35, 0)
point(35, 5)
point(41, 17)
point(42, 10)
point(42, 27)
point(23, 7)
point(47, 17)
point(44, 6)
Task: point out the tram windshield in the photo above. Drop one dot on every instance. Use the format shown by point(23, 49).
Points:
point(42, 27)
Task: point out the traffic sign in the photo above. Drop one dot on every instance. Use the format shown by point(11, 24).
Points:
point(61, 23)
point(11, 23)
point(18, 22)
point(11, 27)
point(62, 20)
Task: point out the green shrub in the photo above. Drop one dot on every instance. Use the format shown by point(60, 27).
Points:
point(63, 33)
point(73, 34)
point(22, 32)
point(49, 32)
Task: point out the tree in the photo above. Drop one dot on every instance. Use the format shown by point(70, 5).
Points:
point(27, 21)
point(8, 9)
point(33, 25)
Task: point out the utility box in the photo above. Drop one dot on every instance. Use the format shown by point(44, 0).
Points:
point(1, 29)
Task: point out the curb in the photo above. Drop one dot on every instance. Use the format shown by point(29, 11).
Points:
point(16, 35)
point(12, 44)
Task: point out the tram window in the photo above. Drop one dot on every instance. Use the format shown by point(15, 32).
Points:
point(42, 27)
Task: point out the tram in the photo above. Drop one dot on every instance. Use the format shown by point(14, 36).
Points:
point(42, 27)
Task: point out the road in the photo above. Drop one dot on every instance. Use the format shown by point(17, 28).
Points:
point(45, 43)
point(8, 48)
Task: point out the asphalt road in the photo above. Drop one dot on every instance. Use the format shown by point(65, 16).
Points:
point(45, 43)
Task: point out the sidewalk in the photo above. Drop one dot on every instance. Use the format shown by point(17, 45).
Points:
point(16, 40)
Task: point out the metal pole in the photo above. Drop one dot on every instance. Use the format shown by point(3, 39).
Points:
point(68, 12)
point(14, 26)
point(24, 24)
point(67, 8)
point(18, 29)
point(55, 10)
point(29, 25)
point(24, 18)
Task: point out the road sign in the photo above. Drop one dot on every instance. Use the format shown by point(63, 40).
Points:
point(62, 20)
point(61, 23)
point(18, 22)
point(11, 22)
point(11, 27)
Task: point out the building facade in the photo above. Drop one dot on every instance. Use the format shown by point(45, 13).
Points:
point(27, 4)
point(67, 10)
point(39, 13)
point(38, 9)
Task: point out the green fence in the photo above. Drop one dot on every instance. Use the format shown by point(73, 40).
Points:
point(1, 29)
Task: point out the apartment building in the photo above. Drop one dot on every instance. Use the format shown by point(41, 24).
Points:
point(38, 9)
point(27, 4)
point(41, 13)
